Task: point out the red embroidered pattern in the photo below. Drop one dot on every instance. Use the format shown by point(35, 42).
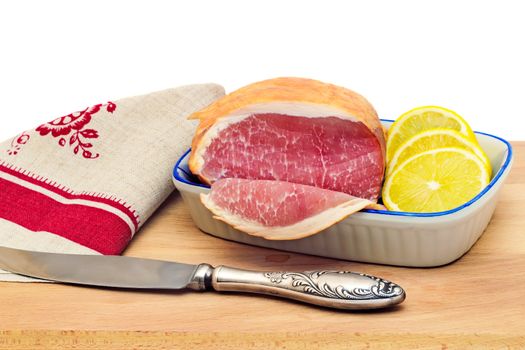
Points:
point(17, 143)
point(76, 123)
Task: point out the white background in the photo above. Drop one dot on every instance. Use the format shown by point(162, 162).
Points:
point(57, 57)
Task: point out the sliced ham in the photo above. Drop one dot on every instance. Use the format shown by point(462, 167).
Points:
point(278, 210)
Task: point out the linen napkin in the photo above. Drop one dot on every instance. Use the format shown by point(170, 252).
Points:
point(86, 182)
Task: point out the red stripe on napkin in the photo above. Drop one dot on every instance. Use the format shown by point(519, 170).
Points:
point(89, 226)
point(70, 195)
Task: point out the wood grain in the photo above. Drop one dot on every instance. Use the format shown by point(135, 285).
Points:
point(88, 340)
point(475, 300)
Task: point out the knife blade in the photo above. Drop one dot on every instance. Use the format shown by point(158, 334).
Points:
point(335, 289)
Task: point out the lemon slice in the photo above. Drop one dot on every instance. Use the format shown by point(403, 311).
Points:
point(432, 139)
point(424, 118)
point(436, 180)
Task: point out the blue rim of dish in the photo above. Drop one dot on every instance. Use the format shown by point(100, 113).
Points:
point(385, 212)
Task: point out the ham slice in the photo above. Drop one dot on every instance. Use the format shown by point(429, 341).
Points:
point(278, 210)
point(294, 130)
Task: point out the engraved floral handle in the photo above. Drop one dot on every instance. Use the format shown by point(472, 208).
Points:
point(335, 289)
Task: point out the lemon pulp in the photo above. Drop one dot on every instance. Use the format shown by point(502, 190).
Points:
point(424, 118)
point(435, 180)
point(432, 139)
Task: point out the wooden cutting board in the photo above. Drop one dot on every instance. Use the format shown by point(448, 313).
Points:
point(479, 299)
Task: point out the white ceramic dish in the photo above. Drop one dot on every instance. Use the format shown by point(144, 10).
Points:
point(377, 236)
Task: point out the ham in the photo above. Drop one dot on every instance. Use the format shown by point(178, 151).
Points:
point(278, 210)
point(296, 140)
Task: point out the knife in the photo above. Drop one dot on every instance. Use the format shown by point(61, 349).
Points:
point(335, 289)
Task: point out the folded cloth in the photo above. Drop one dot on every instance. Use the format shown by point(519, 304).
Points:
point(86, 182)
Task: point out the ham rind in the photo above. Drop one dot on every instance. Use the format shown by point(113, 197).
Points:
point(309, 92)
point(295, 130)
point(327, 152)
point(278, 210)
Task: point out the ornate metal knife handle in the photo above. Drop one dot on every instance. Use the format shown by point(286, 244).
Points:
point(335, 289)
